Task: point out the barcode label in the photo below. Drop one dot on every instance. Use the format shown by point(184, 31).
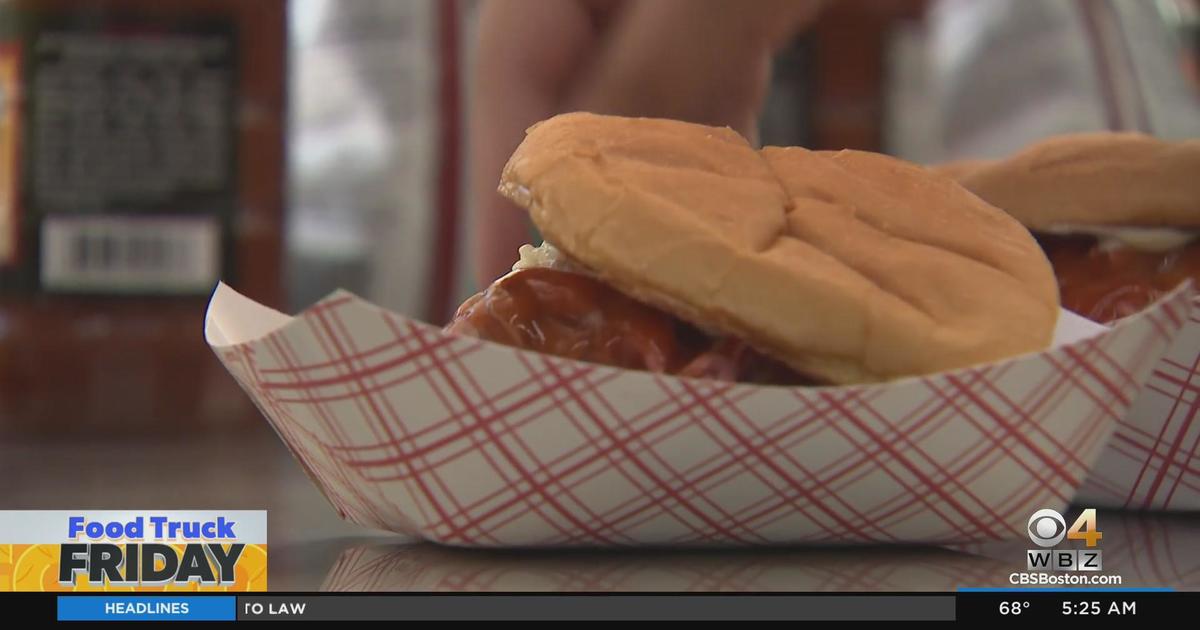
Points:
point(131, 254)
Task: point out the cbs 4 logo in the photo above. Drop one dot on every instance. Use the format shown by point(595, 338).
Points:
point(1047, 528)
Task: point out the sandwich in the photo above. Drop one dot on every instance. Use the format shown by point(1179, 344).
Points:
point(680, 249)
point(1118, 214)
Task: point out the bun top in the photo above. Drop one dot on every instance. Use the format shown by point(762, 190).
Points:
point(1126, 179)
point(850, 266)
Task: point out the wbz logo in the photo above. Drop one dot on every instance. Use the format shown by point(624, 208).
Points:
point(1047, 528)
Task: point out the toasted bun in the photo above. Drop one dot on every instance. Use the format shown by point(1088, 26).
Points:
point(850, 267)
point(959, 169)
point(1092, 179)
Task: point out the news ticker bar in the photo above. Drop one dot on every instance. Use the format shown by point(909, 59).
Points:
point(496, 607)
point(975, 605)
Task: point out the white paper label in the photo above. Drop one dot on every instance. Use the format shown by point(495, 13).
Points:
point(150, 254)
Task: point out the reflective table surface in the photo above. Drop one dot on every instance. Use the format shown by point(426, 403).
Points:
point(310, 548)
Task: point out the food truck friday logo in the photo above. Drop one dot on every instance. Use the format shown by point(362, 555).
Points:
point(133, 550)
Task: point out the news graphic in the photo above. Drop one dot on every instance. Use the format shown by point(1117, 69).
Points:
point(1052, 563)
point(134, 550)
point(150, 565)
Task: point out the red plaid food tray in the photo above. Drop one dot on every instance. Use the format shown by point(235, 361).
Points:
point(1153, 459)
point(469, 443)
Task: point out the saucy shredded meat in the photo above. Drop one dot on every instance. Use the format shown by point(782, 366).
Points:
point(1107, 284)
point(575, 316)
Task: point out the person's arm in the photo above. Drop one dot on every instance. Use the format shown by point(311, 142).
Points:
point(526, 52)
point(704, 61)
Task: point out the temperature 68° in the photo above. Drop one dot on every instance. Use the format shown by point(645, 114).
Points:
point(1013, 608)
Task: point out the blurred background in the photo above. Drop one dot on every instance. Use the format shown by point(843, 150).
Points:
point(149, 148)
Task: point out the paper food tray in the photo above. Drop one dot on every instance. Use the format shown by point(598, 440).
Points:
point(1153, 460)
point(469, 443)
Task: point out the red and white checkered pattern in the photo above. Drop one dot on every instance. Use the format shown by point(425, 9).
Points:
point(1153, 460)
point(469, 443)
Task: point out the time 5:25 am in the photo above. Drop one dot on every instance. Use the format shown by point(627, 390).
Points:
point(1099, 608)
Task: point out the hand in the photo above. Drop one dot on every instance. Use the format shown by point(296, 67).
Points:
point(705, 61)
